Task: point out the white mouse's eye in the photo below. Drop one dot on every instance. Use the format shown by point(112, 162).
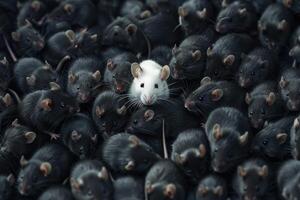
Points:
point(142, 85)
point(156, 85)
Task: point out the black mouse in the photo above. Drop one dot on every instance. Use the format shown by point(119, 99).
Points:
point(224, 57)
point(110, 114)
point(49, 165)
point(294, 45)
point(273, 141)
point(7, 184)
point(162, 54)
point(90, 179)
point(264, 104)
point(238, 16)
point(258, 66)
point(32, 11)
point(229, 135)
point(129, 187)
point(56, 192)
point(165, 181)
point(214, 94)
point(212, 187)
point(79, 134)
point(127, 154)
point(31, 74)
point(190, 151)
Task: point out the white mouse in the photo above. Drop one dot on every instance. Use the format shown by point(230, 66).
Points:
point(150, 82)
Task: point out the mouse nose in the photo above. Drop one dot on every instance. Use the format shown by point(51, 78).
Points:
point(189, 104)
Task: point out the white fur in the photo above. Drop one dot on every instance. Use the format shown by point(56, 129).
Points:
point(150, 76)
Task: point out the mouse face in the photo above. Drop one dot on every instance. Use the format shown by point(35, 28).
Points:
point(41, 78)
point(6, 186)
point(32, 177)
point(146, 121)
point(254, 182)
point(92, 185)
point(236, 17)
point(29, 40)
point(86, 43)
point(211, 188)
point(149, 84)
point(290, 93)
point(252, 71)
point(164, 190)
point(81, 85)
point(187, 64)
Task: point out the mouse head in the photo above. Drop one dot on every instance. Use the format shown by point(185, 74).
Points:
point(139, 157)
point(224, 156)
point(237, 16)
point(5, 76)
point(92, 185)
point(146, 121)
point(18, 139)
point(211, 188)
point(163, 190)
point(254, 181)
point(252, 71)
point(290, 94)
point(109, 114)
point(41, 77)
point(6, 186)
point(86, 43)
point(185, 64)
point(28, 39)
point(150, 82)
point(122, 32)
point(291, 190)
point(32, 11)
point(193, 160)
point(209, 93)
point(262, 108)
point(121, 74)
point(272, 141)
point(82, 84)
point(220, 66)
point(32, 176)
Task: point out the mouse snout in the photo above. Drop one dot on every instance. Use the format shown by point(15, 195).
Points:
point(288, 3)
point(83, 97)
point(39, 45)
point(148, 99)
point(244, 82)
point(23, 188)
point(189, 104)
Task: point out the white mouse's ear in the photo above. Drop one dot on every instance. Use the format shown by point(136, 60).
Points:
point(165, 73)
point(136, 70)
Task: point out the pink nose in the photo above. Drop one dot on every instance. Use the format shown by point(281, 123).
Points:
point(149, 99)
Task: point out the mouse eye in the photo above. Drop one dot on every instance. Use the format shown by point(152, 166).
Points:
point(287, 94)
point(201, 98)
point(78, 88)
point(265, 142)
point(251, 114)
point(135, 121)
point(142, 85)
point(245, 188)
point(156, 85)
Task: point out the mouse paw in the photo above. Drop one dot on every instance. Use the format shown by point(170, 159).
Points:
point(54, 136)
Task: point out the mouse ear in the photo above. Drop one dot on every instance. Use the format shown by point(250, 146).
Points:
point(23, 161)
point(270, 99)
point(196, 55)
point(15, 36)
point(46, 104)
point(218, 191)
point(149, 188)
point(281, 137)
point(170, 191)
point(74, 184)
point(296, 124)
point(216, 94)
point(241, 171)
point(15, 123)
point(72, 78)
point(122, 110)
point(136, 70)
point(103, 174)
point(94, 37)
point(7, 100)
point(217, 133)
point(110, 64)
point(179, 159)
point(46, 168)
point(282, 25)
point(11, 179)
point(244, 138)
point(224, 3)
point(94, 138)
point(75, 136)
point(97, 76)
point(69, 8)
point(209, 51)
point(4, 61)
point(202, 190)
point(242, 11)
point(145, 14)
point(165, 73)
point(70, 35)
point(183, 11)
point(54, 86)
point(30, 137)
point(30, 80)
point(36, 5)
point(248, 98)
point(202, 150)
point(131, 29)
point(134, 141)
point(263, 171)
point(99, 111)
point(130, 165)
point(229, 60)
point(148, 115)
point(202, 14)
point(283, 82)
point(205, 80)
